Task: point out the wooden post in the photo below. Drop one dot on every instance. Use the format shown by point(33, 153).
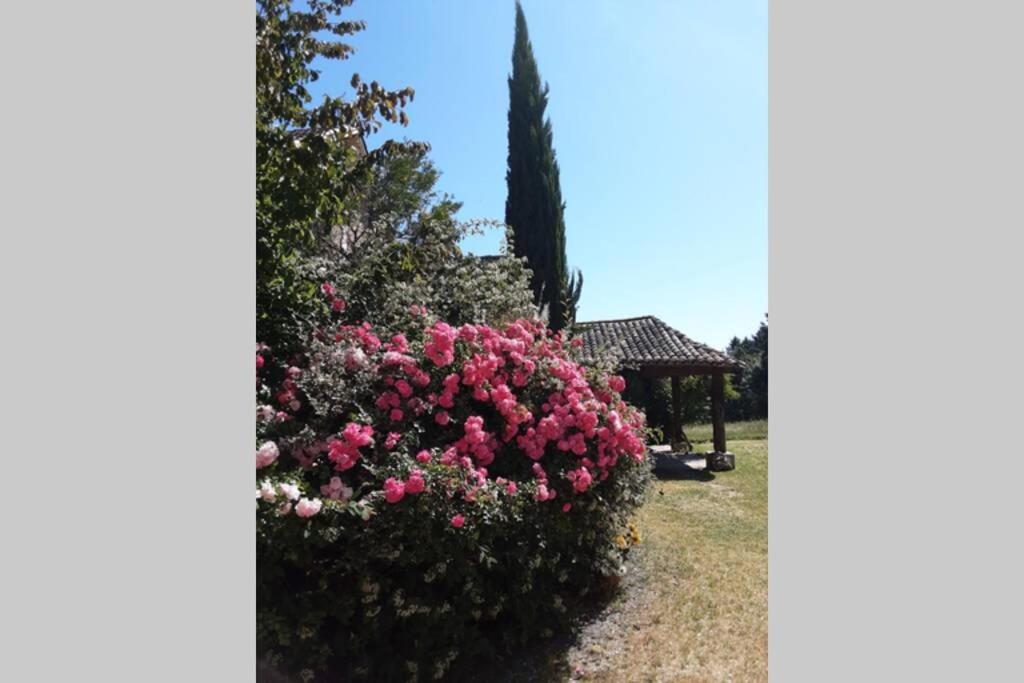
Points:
point(718, 410)
point(676, 425)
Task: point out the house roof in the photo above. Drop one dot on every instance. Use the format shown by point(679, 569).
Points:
point(647, 341)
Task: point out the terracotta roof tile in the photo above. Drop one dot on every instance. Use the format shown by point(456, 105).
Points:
point(646, 341)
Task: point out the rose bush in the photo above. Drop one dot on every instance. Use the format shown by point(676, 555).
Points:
point(431, 492)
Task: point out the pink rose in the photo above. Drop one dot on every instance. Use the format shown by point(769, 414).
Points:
point(307, 507)
point(336, 489)
point(423, 456)
point(415, 484)
point(290, 491)
point(458, 521)
point(266, 454)
point(442, 418)
point(394, 490)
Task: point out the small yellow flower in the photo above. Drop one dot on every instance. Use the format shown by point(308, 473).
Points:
point(620, 541)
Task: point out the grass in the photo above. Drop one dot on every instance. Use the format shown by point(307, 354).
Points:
point(693, 605)
point(696, 607)
point(734, 431)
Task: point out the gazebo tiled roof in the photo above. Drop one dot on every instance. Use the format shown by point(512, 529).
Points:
point(647, 341)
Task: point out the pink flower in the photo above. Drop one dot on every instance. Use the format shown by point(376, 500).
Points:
point(338, 305)
point(396, 415)
point(392, 440)
point(344, 451)
point(423, 456)
point(581, 479)
point(354, 358)
point(512, 488)
point(567, 507)
point(307, 507)
point(458, 521)
point(327, 288)
point(394, 490)
point(404, 390)
point(442, 418)
point(267, 492)
point(259, 361)
point(441, 346)
point(415, 484)
point(336, 490)
point(290, 491)
point(266, 454)
point(616, 383)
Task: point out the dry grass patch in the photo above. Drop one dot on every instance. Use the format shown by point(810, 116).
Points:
point(696, 600)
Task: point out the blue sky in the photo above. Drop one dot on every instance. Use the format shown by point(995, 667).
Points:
point(659, 111)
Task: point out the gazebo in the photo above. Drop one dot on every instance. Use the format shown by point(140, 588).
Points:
point(649, 346)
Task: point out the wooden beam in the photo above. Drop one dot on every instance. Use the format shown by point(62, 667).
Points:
point(677, 413)
point(718, 410)
point(681, 371)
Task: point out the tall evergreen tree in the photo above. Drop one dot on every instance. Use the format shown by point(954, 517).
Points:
point(534, 208)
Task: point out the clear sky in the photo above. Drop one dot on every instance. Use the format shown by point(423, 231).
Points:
point(659, 111)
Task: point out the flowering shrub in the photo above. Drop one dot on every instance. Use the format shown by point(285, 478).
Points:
point(428, 495)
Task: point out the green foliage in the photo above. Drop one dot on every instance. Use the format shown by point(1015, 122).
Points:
point(404, 595)
point(404, 251)
point(371, 589)
point(534, 207)
point(305, 153)
point(751, 401)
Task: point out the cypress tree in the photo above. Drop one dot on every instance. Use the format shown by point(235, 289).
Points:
point(534, 208)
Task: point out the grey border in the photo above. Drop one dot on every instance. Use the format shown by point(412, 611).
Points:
point(128, 328)
point(895, 214)
point(127, 277)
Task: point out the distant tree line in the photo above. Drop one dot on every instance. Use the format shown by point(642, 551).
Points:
point(751, 387)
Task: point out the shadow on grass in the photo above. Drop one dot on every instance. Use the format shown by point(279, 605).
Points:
point(545, 659)
point(676, 466)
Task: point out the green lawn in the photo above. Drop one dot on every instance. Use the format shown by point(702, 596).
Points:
point(695, 604)
point(738, 431)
